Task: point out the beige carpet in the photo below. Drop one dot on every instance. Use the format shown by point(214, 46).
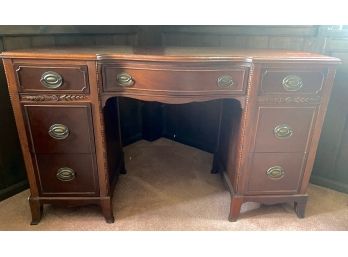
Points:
point(169, 187)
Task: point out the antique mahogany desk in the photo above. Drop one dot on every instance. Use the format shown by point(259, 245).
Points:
point(65, 103)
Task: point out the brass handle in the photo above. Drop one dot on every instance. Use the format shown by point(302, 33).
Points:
point(283, 131)
point(275, 172)
point(225, 81)
point(65, 174)
point(51, 80)
point(292, 83)
point(124, 80)
point(59, 131)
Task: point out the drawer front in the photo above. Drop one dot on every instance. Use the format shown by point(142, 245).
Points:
point(185, 81)
point(67, 174)
point(47, 78)
point(284, 129)
point(60, 129)
point(275, 173)
point(276, 81)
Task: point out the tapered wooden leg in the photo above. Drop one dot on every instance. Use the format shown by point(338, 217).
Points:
point(300, 207)
point(236, 204)
point(106, 207)
point(36, 211)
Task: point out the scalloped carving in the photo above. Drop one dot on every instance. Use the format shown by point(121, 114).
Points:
point(72, 97)
point(42, 98)
point(291, 99)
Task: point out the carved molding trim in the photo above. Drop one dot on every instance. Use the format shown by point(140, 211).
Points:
point(42, 98)
point(72, 97)
point(290, 99)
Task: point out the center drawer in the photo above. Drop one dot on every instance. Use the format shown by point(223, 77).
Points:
point(60, 128)
point(183, 80)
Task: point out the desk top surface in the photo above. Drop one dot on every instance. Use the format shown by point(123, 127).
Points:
point(166, 54)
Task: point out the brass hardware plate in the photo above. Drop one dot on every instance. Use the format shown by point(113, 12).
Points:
point(225, 81)
point(65, 174)
point(51, 80)
point(292, 83)
point(283, 131)
point(275, 172)
point(124, 80)
point(59, 131)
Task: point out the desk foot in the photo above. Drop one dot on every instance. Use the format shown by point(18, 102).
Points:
point(110, 220)
point(300, 207)
point(36, 211)
point(236, 204)
point(106, 207)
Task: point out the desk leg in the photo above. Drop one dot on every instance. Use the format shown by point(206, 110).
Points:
point(106, 207)
point(36, 210)
point(236, 204)
point(300, 207)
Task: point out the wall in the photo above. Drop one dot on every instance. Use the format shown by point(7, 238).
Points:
point(330, 168)
point(12, 175)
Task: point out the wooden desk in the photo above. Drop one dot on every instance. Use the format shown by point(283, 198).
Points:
point(65, 103)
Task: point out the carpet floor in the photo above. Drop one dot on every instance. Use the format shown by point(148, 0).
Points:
point(169, 187)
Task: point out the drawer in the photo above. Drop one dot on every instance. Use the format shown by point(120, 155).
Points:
point(67, 174)
point(60, 128)
point(188, 81)
point(47, 78)
point(275, 173)
point(283, 129)
point(279, 81)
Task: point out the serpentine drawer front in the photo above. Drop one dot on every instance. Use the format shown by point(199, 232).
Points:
point(66, 107)
point(185, 80)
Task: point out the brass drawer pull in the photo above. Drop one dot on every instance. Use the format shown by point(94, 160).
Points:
point(58, 131)
point(275, 172)
point(124, 80)
point(65, 174)
point(225, 81)
point(283, 131)
point(292, 83)
point(51, 80)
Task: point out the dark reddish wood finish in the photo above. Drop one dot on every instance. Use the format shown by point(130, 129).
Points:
point(300, 119)
point(272, 80)
point(75, 78)
point(85, 182)
point(260, 183)
point(247, 146)
point(77, 118)
point(183, 78)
